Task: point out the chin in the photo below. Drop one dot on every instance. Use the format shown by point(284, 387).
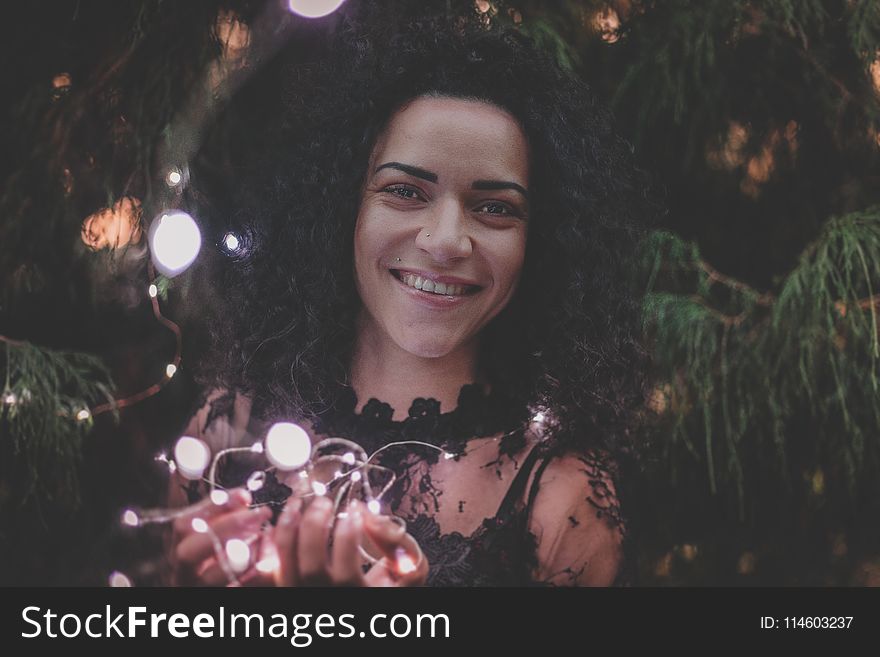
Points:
point(426, 346)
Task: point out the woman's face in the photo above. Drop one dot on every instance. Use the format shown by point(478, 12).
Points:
point(441, 232)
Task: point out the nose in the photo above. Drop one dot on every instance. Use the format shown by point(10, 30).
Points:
point(444, 235)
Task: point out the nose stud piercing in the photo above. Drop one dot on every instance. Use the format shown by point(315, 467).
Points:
point(398, 259)
point(427, 234)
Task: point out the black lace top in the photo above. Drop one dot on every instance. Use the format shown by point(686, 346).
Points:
point(508, 509)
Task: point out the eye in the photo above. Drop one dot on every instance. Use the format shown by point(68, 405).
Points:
point(494, 207)
point(403, 191)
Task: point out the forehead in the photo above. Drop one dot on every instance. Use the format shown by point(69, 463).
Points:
point(455, 138)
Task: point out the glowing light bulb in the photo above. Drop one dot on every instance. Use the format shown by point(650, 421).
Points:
point(314, 8)
point(348, 457)
point(355, 476)
point(170, 370)
point(119, 580)
point(153, 291)
point(405, 563)
point(130, 518)
point(83, 415)
point(373, 506)
point(219, 497)
point(239, 554)
point(538, 417)
point(192, 456)
point(256, 480)
point(175, 241)
point(199, 525)
point(173, 178)
point(269, 564)
point(287, 446)
point(319, 488)
point(231, 242)
point(10, 399)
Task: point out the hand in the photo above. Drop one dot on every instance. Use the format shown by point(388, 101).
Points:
point(302, 536)
point(193, 553)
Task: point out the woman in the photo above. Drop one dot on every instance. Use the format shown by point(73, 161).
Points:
point(438, 255)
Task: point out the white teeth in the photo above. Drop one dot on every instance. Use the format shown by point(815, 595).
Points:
point(427, 285)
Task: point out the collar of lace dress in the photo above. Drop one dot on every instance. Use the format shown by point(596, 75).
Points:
point(477, 415)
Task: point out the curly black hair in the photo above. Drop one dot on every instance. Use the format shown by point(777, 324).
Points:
point(568, 340)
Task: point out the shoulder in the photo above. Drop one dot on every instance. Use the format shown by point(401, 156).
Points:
point(576, 519)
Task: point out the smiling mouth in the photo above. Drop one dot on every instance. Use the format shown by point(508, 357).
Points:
point(434, 287)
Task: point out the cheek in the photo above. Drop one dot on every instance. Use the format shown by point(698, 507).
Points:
point(508, 258)
point(364, 247)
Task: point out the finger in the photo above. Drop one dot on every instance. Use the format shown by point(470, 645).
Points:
point(285, 535)
point(211, 574)
point(406, 566)
point(196, 547)
point(314, 533)
point(206, 509)
point(345, 561)
point(256, 578)
point(385, 533)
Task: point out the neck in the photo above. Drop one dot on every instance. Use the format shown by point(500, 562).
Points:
point(381, 369)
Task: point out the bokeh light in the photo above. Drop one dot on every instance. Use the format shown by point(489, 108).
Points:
point(314, 8)
point(175, 241)
point(288, 446)
point(192, 456)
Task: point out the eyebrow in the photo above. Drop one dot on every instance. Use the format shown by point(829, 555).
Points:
point(430, 176)
point(411, 170)
point(500, 184)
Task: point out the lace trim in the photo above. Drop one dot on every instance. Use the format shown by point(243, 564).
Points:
point(477, 415)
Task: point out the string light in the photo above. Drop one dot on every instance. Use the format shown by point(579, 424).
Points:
point(130, 518)
point(239, 554)
point(175, 241)
point(174, 177)
point(287, 446)
point(118, 580)
point(153, 291)
point(405, 563)
point(83, 415)
point(231, 242)
point(314, 8)
point(268, 564)
point(192, 457)
point(170, 370)
point(256, 481)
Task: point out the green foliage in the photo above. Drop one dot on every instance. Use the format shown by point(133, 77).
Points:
point(43, 394)
point(738, 368)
